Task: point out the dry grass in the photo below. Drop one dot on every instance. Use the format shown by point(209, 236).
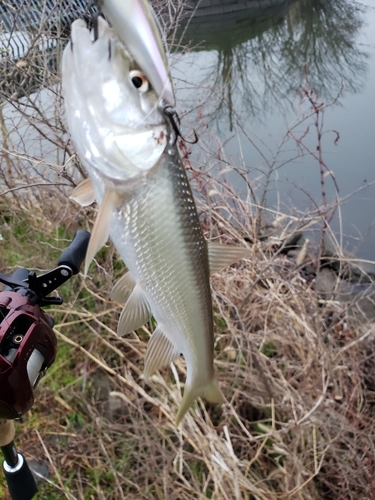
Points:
point(296, 369)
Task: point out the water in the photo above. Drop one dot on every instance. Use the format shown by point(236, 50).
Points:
point(244, 81)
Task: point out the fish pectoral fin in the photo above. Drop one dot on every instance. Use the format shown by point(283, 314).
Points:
point(210, 391)
point(100, 231)
point(136, 312)
point(123, 288)
point(221, 256)
point(160, 353)
point(84, 193)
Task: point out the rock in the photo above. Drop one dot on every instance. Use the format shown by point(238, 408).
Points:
point(349, 268)
point(293, 244)
point(40, 471)
point(359, 298)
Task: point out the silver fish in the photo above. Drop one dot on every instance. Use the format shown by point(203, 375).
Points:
point(127, 145)
point(134, 22)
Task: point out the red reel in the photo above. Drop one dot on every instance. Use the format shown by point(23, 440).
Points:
point(27, 347)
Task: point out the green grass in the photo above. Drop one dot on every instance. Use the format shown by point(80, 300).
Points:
point(62, 373)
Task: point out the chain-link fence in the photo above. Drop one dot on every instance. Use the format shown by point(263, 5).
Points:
point(34, 146)
point(31, 34)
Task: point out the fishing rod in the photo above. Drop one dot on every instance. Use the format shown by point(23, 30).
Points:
point(28, 348)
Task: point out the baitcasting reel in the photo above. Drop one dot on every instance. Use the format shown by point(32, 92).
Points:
point(27, 341)
point(27, 348)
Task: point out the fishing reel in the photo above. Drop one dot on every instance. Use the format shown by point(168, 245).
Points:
point(28, 343)
point(27, 348)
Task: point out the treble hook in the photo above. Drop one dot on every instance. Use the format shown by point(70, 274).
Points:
point(173, 117)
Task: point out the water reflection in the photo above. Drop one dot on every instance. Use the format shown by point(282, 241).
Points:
point(265, 54)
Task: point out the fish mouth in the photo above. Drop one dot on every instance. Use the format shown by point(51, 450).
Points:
point(148, 144)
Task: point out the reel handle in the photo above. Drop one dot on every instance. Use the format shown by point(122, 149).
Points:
point(74, 255)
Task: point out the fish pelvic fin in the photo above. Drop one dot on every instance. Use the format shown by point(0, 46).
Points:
point(100, 231)
point(160, 353)
point(123, 288)
point(136, 312)
point(84, 193)
point(221, 256)
point(210, 391)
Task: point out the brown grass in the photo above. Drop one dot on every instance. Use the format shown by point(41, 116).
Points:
point(295, 369)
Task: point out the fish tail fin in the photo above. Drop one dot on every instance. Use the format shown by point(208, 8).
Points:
point(209, 391)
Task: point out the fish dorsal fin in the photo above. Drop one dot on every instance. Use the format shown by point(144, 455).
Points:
point(160, 353)
point(123, 288)
point(84, 193)
point(136, 312)
point(221, 256)
point(100, 231)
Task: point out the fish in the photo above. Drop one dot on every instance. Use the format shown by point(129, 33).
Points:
point(127, 144)
point(136, 24)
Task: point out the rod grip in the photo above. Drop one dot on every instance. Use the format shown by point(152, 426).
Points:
point(21, 482)
point(7, 432)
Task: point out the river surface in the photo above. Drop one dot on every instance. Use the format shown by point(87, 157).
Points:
point(246, 79)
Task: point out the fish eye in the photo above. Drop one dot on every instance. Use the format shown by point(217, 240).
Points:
point(139, 80)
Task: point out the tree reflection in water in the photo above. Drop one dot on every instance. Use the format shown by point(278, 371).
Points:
point(264, 56)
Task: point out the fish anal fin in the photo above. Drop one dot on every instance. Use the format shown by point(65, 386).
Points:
point(100, 231)
point(209, 391)
point(221, 256)
point(123, 288)
point(136, 312)
point(160, 353)
point(84, 193)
